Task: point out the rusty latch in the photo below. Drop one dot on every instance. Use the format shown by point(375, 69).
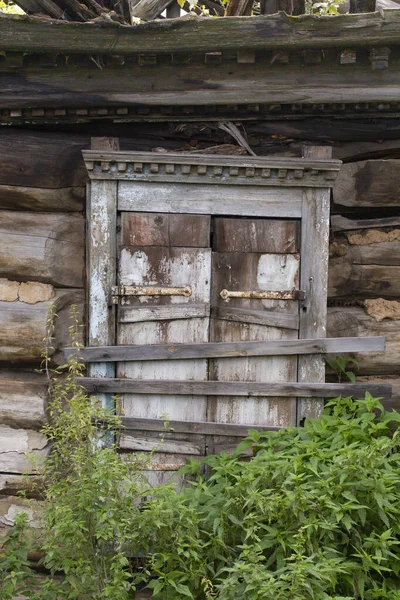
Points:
point(142, 290)
point(264, 295)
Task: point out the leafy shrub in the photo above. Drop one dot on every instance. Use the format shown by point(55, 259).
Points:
point(314, 514)
point(299, 514)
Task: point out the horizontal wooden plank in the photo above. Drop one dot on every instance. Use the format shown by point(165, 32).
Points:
point(23, 34)
point(228, 349)
point(164, 312)
point(209, 199)
point(272, 318)
point(256, 235)
point(200, 427)
point(152, 229)
point(230, 388)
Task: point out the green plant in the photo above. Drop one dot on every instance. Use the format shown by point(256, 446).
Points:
point(340, 366)
point(90, 500)
point(313, 515)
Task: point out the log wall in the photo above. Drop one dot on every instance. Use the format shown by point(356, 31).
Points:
point(42, 262)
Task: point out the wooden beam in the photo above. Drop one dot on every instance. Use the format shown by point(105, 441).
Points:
point(199, 427)
point(101, 265)
point(229, 388)
point(24, 34)
point(228, 349)
point(314, 281)
point(206, 199)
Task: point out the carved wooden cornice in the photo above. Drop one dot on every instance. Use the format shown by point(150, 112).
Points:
point(221, 170)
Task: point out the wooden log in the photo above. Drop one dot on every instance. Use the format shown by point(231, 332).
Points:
point(340, 223)
point(23, 326)
point(363, 281)
point(227, 349)
point(365, 263)
point(355, 321)
point(225, 388)
point(22, 398)
point(194, 84)
point(368, 183)
point(367, 247)
point(11, 485)
point(43, 247)
point(42, 159)
point(21, 34)
point(18, 447)
point(42, 199)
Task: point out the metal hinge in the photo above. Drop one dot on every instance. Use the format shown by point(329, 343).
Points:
point(264, 295)
point(119, 291)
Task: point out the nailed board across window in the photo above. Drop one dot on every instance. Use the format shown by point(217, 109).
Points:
point(222, 260)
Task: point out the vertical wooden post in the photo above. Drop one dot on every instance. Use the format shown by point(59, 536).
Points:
point(101, 261)
point(314, 281)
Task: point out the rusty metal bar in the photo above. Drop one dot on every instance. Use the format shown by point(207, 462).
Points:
point(264, 295)
point(142, 290)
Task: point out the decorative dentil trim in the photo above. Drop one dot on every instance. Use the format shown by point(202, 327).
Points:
point(220, 170)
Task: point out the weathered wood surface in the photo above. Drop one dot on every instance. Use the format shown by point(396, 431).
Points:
point(68, 199)
point(366, 262)
point(195, 84)
point(253, 271)
point(368, 183)
point(16, 448)
point(43, 247)
point(209, 199)
point(275, 317)
point(367, 247)
point(152, 229)
point(163, 312)
point(197, 427)
point(218, 170)
point(42, 160)
point(23, 34)
point(227, 349)
point(167, 266)
point(227, 388)
point(146, 10)
point(363, 281)
point(256, 235)
point(23, 326)
point(355, 321)
point(101, 216)
point(314, 281)
point(22, 398)
point(341, 224)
